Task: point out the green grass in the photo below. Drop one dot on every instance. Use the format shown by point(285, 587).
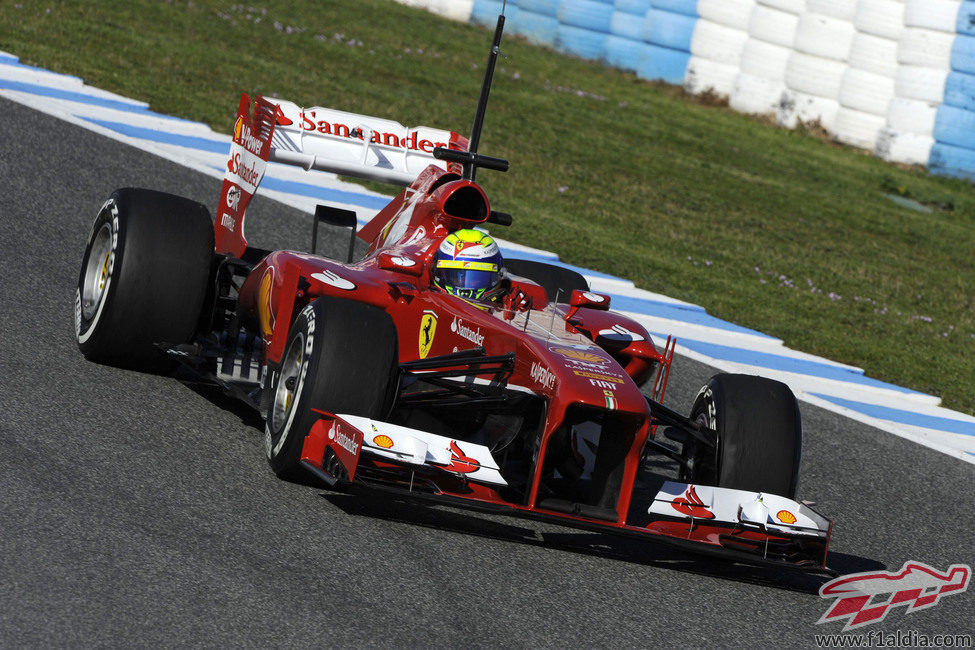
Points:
point(775, 230)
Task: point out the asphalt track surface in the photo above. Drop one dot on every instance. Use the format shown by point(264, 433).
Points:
point(138, 510)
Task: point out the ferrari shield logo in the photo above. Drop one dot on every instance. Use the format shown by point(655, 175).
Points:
point(428, 329)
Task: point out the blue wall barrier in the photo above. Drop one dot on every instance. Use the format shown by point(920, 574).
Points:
point(656, 40)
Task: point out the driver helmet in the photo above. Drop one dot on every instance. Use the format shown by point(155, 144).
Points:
point(468, 264)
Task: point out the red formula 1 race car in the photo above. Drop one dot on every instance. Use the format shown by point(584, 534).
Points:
point(432, 368)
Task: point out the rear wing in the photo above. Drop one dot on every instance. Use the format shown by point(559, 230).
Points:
point(322, 139)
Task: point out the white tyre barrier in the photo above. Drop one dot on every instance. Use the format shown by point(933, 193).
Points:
point(925, 47)
point(955, 126)
point(960, 90)
point(844, 10)
point(917, 82)
point(718, 42)
point(773, 25)
point(731, 13)
point(874, 53)
point(956, 161)
point(940, 15)
point(624, 53)
point(906, 148)
point(856, 128)
point(824, 36)
point(796, 7)
point(911, 116)
point(765, 60)
point(588, 14)
point(454, 9)
point(537, 28)
point(756, 95)
point(705, 74)
point(798, 107)
point(866, 92)
point(815, 75)
point(880, 18)
point(963, 54)
point(627, 25)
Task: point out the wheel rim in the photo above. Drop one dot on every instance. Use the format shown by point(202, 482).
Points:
point(97, 271)
point(286, 393)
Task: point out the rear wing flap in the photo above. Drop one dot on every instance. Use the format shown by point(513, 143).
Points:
point(322, 139)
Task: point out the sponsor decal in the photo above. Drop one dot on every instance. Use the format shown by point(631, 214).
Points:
point(459, 462)
point(402, 261)
point(690, 504)
point(233, 197)
point(334, 280)
point(344, 441)
point(611, 402)
point(411, 142)
point(428, 329)
point(249, 171)
point(620, 333)
point(383, 441)
point(264, 311)
point(866, 598)
point(227, 221)
point(457, 327)
point(579, 355)
point(785, 517)
point(417, 235)
point(542, 375)
point(598, 383)
point(245, 138)
point(594, 297)
point(597, 375)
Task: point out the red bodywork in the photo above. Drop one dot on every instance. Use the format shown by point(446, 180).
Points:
point(566, 357)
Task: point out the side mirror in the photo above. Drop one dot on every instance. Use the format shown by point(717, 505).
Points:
point(587, 299)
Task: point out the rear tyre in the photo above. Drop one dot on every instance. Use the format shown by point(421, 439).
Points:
point(556, 280)
point(143, 278)
point(759, 435)
point(340, 357)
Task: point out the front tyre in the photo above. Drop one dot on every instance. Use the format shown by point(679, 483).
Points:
point(759, 435)
point(340, 357)
point(143, 277)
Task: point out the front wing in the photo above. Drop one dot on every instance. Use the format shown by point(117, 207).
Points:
point(745, 526)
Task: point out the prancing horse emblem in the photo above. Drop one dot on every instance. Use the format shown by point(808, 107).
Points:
point(428, 329)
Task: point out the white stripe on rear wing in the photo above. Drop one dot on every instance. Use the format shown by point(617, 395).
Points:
point(356, 145)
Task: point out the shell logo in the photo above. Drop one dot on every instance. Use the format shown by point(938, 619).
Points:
point(264, 303)
point(383, 441)
point(580, 355)
point(785, 517)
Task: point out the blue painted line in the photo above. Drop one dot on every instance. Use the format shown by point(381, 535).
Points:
point(154, 135)
point(81, 98)
point(784, 363)
point(904, 417)
point(6, 59)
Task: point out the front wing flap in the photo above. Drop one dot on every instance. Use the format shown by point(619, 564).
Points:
point(348, 436)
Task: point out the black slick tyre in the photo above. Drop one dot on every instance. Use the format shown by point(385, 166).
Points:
point(340, 357)
point(759, 435)
point(143, 278)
